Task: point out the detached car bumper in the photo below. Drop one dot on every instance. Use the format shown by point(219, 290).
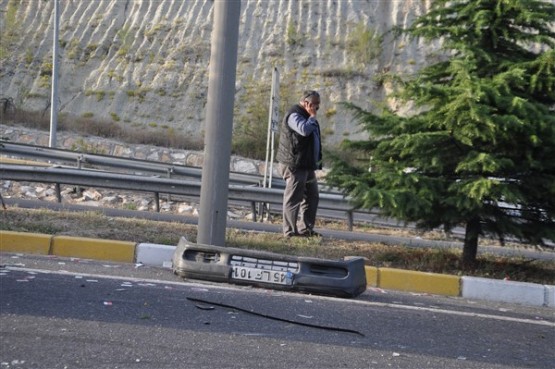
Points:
point(343, 278)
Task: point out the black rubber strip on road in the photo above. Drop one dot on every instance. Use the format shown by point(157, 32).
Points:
point(337, 329)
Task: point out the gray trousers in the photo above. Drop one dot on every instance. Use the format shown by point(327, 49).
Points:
point(300, 197)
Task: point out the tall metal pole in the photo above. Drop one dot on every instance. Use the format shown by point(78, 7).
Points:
point(219, 123)
point(54, 94)
point(273, 126)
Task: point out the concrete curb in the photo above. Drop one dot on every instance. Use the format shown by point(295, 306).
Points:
point(413, 281)
point(78, 247)
point(506, 291)
point(530, 294)
point(155, 255)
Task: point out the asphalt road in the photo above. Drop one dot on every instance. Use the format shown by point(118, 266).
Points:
point(71, 313)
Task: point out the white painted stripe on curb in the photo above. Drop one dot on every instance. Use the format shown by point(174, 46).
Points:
point(155, 255)
point(549, 296)
point(503, 291)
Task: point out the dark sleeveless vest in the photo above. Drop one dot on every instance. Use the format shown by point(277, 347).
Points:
point(295, 150)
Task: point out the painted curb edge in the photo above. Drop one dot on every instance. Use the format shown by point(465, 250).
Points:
point(524, 293)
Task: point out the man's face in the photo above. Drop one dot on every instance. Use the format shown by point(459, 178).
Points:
point(311, 103)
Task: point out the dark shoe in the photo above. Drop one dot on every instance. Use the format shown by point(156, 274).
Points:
point(310, 233)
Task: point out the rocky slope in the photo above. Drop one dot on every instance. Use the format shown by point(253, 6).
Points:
point(146, 62)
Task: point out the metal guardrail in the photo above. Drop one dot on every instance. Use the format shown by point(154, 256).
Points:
point(156, 185)
point(243, 187)
point(168, 170)
point(81, 160)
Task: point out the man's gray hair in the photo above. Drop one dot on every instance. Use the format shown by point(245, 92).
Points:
point(309, 93)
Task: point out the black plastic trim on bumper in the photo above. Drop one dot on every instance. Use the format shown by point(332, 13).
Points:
point(343, 278)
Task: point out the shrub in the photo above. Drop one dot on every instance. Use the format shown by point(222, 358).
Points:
point(330, 112)
point(46, 68)
point(115, 117)
point(83, 146)
point(364, 44)
point(293, 37)
point(74, 49)
point(251, 125)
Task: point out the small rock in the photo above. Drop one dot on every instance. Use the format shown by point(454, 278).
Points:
point(91, 194)
point(111, 200)
point(233, 215)
point(185, 208)
point(50, 192)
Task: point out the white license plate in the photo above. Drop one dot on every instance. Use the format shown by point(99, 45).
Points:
point(261, 275)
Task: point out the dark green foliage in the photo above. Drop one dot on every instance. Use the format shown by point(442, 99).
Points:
point(479, 148)
point(251, 127)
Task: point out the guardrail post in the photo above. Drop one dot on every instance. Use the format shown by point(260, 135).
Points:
point(169, 173)
point(350, 220)
point(78, 189)
point(253, 208)
point(260, 211)
point(58, 192)
point(265, 209)
point(157, 201)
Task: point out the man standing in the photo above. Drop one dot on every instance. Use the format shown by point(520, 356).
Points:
point(299, 155)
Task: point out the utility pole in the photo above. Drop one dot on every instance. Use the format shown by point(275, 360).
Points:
point(219, 123)
point(54, 94)
point(273, 127)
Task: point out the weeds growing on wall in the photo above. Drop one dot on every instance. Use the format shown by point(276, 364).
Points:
point(364, 44)
point(10, 30)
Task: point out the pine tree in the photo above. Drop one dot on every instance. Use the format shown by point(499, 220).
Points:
point(478, 149)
